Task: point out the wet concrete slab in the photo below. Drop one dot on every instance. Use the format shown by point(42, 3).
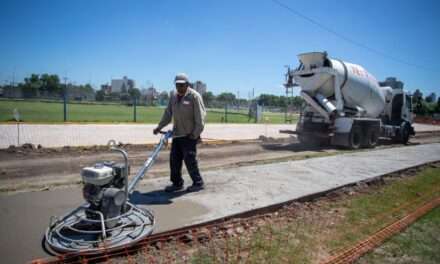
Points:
point(25, 216)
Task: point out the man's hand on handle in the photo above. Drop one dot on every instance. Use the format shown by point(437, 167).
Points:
point(156, 131)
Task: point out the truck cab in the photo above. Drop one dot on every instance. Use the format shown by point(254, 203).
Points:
point(398, 112)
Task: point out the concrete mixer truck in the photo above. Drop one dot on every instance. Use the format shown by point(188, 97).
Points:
point(346, 106)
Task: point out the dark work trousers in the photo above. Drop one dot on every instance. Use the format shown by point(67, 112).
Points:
point(184, 149)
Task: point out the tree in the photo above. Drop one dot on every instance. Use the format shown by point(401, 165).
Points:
point(134, 93)
point(417, 100)
point(41, 85)
point(88, 88)
point(272, 100)
point(44, 78)
point(417, 96)
point(85, 92)
point(297, 101)
point(437, 110)
point(31, 86)
point(226, 97)
point(99, 95)
point(51, 84)
point(280, 101)
point(208, 98)
point(431, 98)
point(163, 98)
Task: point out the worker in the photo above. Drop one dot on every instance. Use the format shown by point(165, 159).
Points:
point(187, 110)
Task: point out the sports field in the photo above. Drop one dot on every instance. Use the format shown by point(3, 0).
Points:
point(52, 112)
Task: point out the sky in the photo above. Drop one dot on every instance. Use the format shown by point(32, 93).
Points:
point(231, 45)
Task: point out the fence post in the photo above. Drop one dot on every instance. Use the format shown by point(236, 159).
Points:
point(65, 99)
point(16, 115)
point(65, 106)
point(226, 113)
point(134, 109)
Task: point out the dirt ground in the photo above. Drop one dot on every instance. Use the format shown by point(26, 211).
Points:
point(427, 120)
point(32, 169)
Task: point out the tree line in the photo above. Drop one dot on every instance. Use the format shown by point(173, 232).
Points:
point(425, 105)
point(268, 100)
point(51, 86)
point(47, 86)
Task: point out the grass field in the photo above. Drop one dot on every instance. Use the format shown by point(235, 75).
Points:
point(52, 112)
point(420, 243)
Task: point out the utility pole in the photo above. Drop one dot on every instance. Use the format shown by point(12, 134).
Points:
point(13, 78)
point(16, 115)
point(287, 104)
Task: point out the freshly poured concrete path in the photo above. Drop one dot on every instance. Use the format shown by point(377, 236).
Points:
point(25, 216)
point(59, 135)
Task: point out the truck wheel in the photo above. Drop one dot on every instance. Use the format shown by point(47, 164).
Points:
point(372, 138)
point(404, 133)
point(355, 138)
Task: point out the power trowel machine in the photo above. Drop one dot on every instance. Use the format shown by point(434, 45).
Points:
point(107, 220)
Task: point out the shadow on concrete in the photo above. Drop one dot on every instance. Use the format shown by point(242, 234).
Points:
point(296, 147)
point(387, 142)
point(155, 197)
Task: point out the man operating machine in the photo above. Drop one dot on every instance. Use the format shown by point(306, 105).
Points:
point(187, 111)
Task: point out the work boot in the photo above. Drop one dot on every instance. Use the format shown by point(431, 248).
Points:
point(196, 187)
point(174, 188)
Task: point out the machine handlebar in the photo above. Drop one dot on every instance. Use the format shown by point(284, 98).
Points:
point(166, 134)
point(149, 162)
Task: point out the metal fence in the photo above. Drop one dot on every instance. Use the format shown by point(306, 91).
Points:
point(56, 111)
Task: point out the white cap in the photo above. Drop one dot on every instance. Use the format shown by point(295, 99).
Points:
point(181, 78)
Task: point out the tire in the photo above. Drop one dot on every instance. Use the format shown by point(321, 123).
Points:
point(355, 138)
point(405, 133)
point(371, 137)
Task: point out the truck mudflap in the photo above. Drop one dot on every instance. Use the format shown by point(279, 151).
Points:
point(412, 131)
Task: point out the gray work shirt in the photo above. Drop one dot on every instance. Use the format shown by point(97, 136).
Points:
point(188, 114)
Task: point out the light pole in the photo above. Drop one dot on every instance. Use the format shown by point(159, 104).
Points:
point(13, 78)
